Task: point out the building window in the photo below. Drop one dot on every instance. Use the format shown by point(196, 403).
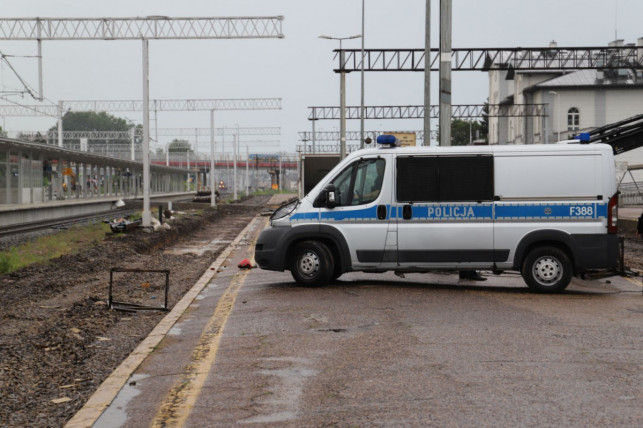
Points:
point(573, 119)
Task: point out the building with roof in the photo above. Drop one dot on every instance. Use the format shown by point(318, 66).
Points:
point(575, 101)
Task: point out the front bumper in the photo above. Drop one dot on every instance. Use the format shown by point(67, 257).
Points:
point(270, 249)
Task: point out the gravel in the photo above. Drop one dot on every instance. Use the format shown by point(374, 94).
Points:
point(58, 339)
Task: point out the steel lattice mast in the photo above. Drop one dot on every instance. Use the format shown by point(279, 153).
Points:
point(144, 29)
point(137, 28)
point(162, 132)
point(463, 111)
point(137, 105)
point(480, 59)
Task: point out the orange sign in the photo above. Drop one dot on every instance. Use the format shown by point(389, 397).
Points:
point(404, 139)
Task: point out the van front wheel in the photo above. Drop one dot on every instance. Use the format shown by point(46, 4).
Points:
point(311, 263)
point(547, 269)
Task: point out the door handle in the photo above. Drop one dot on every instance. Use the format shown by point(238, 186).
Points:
point(381, 212)
point(407, 212)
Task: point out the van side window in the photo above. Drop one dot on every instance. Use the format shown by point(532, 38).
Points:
point(417, 179)
point(360, 183)
point(466, 178)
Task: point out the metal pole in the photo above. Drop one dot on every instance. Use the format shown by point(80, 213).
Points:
point(427, 76)
point(60, 123)
point(235, 139)
point(247, 173)
point(156, 124)
point(361, 110)
point(187, 159)
point(314, 120)
point(545, 125)
point(40, 90)
point(196, 158)
point(558, 115)
point(132, 140)
point(445, 72)
point(147, 215)
point(213, 198)
point(342, 107)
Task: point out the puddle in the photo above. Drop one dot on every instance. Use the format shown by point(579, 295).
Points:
point(175, 331)
point(115, 416)
point(286, 387)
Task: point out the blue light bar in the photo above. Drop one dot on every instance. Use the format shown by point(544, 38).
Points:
point(584, 137)
point(387, 139)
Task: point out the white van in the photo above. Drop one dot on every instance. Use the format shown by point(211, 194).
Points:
point(547, 211)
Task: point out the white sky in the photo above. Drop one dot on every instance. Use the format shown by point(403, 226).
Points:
point(297, 69)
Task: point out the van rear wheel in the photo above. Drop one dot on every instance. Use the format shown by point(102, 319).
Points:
point(311, 263)
point(547, 269)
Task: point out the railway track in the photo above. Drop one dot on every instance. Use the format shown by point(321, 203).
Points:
point(63, 223)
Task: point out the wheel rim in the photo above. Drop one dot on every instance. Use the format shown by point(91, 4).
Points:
point(308, 264)
point(547, 270)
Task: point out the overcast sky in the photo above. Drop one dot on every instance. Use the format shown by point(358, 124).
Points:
point(298, 68)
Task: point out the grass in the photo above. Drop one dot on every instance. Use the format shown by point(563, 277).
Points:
point(273, 192)
point(43, 249)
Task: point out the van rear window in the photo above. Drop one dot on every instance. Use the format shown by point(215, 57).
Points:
point(445, 178)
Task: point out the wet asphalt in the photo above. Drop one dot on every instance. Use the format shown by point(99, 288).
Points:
point(254, 349)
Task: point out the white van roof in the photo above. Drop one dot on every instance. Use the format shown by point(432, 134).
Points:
point(571, 146)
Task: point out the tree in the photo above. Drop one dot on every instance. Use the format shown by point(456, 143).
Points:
point(92, 121)
point(179, 146)
point(484, 123)
point(463, 131)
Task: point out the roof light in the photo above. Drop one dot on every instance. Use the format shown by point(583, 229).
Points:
point(387, 140)
point(584, 137)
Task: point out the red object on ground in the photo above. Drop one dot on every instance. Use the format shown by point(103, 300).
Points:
point(245, 264)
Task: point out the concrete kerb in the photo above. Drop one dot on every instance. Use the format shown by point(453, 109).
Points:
point(109, 389)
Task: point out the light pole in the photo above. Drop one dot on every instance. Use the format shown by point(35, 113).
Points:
point(427, 75)
point(361, 106)
point(556, 109)
point(213, 199)
point(342, 94)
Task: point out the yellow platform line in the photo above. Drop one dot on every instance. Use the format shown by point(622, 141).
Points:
point(182, 397)
point(109, 389)
point(633, 281)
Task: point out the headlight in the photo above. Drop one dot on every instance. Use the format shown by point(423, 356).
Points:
point(284, 210)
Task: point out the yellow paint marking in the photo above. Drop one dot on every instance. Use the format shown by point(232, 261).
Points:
point(181, 399)
point(633, 281)
point(110, 387)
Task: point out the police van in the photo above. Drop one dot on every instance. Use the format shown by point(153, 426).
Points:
point(547, 211)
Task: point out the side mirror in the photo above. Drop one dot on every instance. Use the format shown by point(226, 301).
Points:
point(331, 202)
point(326, 198)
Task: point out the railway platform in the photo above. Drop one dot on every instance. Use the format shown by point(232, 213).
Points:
point(186, 373)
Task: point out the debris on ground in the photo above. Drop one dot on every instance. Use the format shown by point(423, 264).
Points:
point(245, 264)
point(123, 225)
point(56, 329)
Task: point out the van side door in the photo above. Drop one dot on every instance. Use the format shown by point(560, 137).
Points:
point(362, 211)
point(444, 211)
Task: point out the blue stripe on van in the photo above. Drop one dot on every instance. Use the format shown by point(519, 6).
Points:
point(358, 214)
point(503, 211)
point(527, 211)
point(305, 216)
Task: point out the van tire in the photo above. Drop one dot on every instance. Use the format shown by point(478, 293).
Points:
point(547, 269)
point(311, 263)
